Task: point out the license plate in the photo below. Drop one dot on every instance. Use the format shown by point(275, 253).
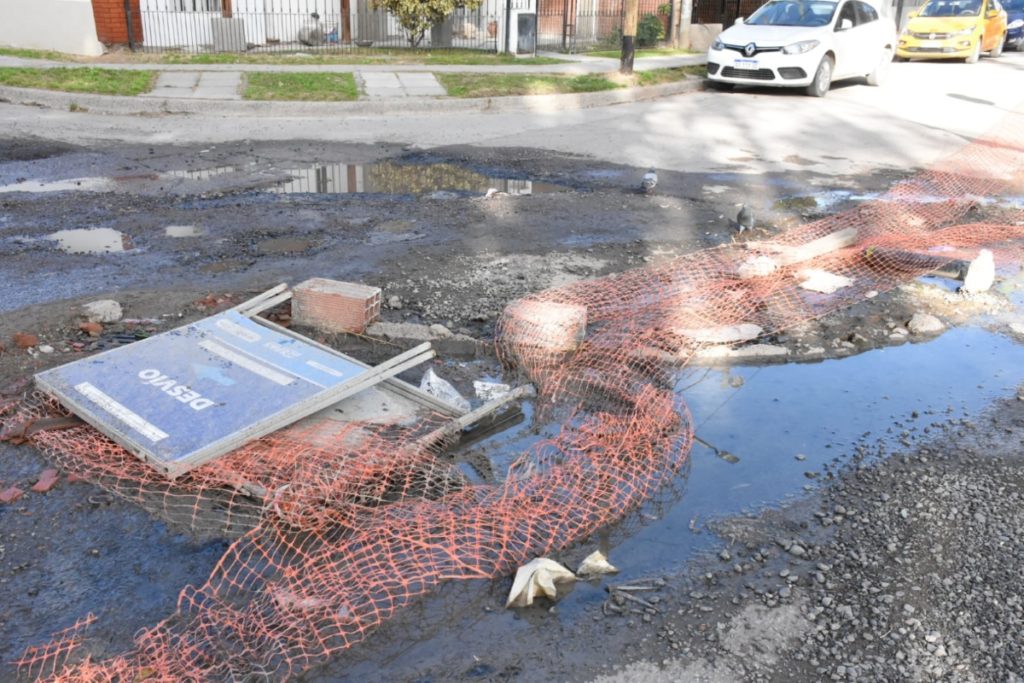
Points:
point(745, 63)
point(930, 43)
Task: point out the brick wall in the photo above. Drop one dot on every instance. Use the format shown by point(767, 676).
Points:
point(111, 23)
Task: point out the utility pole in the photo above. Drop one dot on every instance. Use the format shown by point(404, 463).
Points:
point(226, 9)
point(629, 36)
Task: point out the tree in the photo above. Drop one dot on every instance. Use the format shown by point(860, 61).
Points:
point(416, 16)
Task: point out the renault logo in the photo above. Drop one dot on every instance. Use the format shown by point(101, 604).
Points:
point(931, 36)
point(749, 49)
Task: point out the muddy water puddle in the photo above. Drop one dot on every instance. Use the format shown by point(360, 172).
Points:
point(772, 429)
point(439, 180)
point(91, 241)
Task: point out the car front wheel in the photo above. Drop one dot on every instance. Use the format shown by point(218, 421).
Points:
point(975, 53)
point(881, 69)
point(822, 78)
point(998, 49)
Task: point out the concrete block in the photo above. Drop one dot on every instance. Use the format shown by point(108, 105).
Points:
point(335, 306)
point(228, 34)
point(550, 325)
point(702, 35)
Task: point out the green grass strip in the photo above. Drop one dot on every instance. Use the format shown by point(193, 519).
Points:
point(79, 79)
point(501, 85)
point(653, 52)
point(36, 54)
point(312, 87)
point(676, 73)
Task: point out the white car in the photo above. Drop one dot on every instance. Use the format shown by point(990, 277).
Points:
point(804, 44)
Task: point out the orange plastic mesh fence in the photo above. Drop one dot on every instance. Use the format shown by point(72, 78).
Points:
point(336, 531)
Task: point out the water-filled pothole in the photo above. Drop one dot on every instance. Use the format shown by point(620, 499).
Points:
point(184, 231)
point(387, 177)
point(442, 180)
point(784, 424)
point(91, 241)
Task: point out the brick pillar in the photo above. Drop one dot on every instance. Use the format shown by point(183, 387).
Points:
point(112, 24)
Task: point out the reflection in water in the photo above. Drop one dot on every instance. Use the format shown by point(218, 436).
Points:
point(91, 241)
point(390, 178)
point(183, 231)
point(69, 184)
point(383, 177)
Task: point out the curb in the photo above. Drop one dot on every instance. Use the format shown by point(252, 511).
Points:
point(117, 105)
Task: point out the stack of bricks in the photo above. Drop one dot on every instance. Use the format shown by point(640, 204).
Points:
point(335, 306)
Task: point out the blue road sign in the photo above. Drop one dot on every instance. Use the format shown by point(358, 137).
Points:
point(183, 397)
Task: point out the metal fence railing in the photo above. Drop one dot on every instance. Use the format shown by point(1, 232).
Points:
point(579, 25)
point(303, 25)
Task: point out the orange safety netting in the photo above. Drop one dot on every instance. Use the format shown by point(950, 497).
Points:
point(335, 532)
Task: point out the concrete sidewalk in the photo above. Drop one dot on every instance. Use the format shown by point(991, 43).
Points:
point(376, 82)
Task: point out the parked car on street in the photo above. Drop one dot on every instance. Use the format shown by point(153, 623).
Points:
point(804, 44)
point(1014, 24)
point(954, 29)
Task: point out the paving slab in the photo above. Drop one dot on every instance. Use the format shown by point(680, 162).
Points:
point(390, 85)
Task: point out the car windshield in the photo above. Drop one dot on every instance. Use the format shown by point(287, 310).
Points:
point(951, 8)
point(793, 13)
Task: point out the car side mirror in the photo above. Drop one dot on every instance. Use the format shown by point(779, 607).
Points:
point(911, 15)
point(844, 25)
point(739, 20)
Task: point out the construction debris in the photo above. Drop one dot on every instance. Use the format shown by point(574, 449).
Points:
point(489, 391)
point(981, 273)
point(184, 397)
point(335, 306)
point(821, 281)
point(595, 564)
point(437, 386)
point(540, 576)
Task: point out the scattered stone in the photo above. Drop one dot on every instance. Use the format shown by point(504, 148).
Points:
point(440, 331)
point(725, 556)
point(92, 329)
point(103, 311)
point(47, 480)
point(11, 494)
point(45, 348)
point(797, 550)
point(925, 323)
point(395, 302)
point(823, 282)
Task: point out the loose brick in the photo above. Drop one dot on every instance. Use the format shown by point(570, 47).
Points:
point(335, 306)
point(47, 480)
point(11, 494)
point(24, 340)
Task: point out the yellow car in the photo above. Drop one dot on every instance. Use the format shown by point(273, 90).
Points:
point(954, 29)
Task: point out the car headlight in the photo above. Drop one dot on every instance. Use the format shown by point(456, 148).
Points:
point(965, 32)
point(801, 47)
point(1015, 24)
point(718, 44)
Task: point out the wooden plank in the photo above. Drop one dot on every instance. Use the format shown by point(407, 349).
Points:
point(256, 300)
point(787, 255)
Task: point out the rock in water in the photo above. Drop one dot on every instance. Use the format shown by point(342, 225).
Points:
point(980, 273)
